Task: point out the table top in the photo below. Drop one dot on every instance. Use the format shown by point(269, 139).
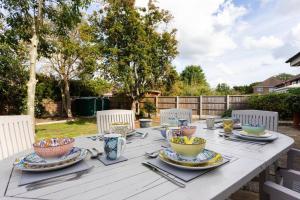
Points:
point(132, 180)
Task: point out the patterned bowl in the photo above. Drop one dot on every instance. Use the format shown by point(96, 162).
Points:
point(54, 147)
point(253, 130)
point(188, 130)
point(187, 147)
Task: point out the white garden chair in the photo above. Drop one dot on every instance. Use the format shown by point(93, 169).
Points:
point(177, 113)
point(107, 117)
point(268, 119)
point(289, 187)
point(16, 134)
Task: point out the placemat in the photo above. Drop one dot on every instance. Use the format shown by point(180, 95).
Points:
point(185, 175)
point(33, 177)
point(111, 162)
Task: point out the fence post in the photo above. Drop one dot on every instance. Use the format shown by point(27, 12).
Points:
point(200, 106)
point(177, 102)
point(156, 104)
point(227, 102)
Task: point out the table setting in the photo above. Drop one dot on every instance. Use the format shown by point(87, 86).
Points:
point(185, 157)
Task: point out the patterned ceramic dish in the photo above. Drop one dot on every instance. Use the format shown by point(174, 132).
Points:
point(215, 162)
point(253, 129)
point(23, 167)
point(265, 134)
point(54, 147)
point(120, 128)
point(33, 160)
point(187, 147)
point(204, 157)
point(246, 137)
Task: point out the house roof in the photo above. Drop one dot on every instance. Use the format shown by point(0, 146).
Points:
point(294, 58)
point(295, 78)
point(270, 82)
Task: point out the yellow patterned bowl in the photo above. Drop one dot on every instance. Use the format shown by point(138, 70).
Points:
point(187, 147)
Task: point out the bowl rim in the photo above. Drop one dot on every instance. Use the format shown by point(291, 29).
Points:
point(189, 127)
point(72, 140)
point(202, 139)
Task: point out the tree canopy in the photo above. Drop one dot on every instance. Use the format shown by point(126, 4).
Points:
point(193, 75)
point(137, 52)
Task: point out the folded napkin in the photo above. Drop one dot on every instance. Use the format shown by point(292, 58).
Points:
point(185, 175)
point(33, 177)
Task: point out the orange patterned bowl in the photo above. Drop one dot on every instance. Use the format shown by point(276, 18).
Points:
point(54, 147)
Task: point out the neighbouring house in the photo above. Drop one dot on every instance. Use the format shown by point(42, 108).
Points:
point(289, 84)
point(267, 86)
point(294, 61)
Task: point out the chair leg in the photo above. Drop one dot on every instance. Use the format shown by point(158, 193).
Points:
point(262, 179)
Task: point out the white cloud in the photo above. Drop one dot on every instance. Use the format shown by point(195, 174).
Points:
point(264, 42)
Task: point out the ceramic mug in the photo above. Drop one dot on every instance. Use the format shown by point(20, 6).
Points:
point(183, 122)
point(210, 123)
point(114, 146)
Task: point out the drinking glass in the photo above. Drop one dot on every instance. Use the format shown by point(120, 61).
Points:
point(228, 125)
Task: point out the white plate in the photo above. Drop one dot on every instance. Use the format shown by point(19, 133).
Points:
point(271, 138)
point(22, 166)
point(216, 164)
point(265, 135)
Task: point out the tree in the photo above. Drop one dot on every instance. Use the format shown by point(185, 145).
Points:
point(193, 75)
point(284, 76)
point(136, 56)
point(25, 23)
point(73, 55)
point(223, 89)
point(245, 89)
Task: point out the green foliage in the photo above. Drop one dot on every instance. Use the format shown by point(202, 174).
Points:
point(223, 89)
point(93, 87)
point(136, 57)
point(245, 89)
point(272, 102)
point(227, 113)
point(47, 87)
point(284, 76)
point(294, 91)
point(13, 78)
point(193, 75)
point(149, 108)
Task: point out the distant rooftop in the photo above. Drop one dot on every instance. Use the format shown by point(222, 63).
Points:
point(270, 82)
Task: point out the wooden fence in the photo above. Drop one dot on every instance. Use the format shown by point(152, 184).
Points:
point(200, 105)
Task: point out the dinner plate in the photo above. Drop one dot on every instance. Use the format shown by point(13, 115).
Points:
point(23, 167)
point(268, 139)
point(265, 135)
point(130, 133)
point(202, 157)
point(33, 160)
point(217, 161)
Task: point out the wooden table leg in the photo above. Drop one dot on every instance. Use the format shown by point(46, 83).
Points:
point(263, 177)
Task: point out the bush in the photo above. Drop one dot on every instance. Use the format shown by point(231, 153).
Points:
point(227, 113)
point(149, 108)
point(280, 103)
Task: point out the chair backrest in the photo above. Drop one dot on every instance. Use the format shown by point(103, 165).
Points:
point(107, 117)
point(268, 119)
point(16, 134)
point(178, 113)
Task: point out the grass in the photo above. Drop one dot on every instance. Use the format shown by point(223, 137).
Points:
point(79, 127)
point(76, 128)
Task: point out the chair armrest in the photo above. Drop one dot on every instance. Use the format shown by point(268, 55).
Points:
point(289, 177)
point(292, 153)
point(278, 192)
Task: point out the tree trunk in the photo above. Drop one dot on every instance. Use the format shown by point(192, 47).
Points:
point(33, 54)
point(63, 98)
point(68, 98)
point(134, 105)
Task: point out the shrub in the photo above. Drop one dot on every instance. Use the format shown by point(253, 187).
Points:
point(149, 108)
point(227, 113)
point(272, 102)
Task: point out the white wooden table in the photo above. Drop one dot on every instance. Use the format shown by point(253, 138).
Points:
point(131, 180)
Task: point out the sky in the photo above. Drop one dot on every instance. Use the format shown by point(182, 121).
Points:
point(237, 42)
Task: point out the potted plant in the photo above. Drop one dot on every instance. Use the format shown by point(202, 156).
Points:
point(150, 109)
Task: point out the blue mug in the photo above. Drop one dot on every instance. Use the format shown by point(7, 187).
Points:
point(114, 146)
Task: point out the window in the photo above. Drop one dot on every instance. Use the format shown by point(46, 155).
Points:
point(259, 89)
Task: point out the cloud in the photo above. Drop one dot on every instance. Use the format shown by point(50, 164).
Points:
point(264, 42)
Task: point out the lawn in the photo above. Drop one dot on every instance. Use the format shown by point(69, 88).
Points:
point(69, 129)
